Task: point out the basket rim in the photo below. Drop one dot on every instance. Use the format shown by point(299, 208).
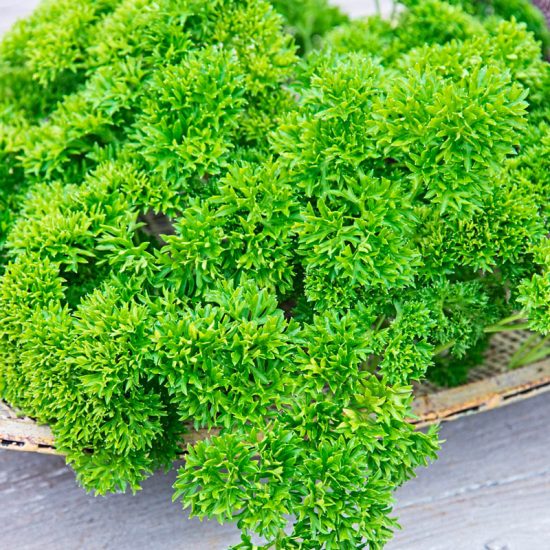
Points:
point(20, 433)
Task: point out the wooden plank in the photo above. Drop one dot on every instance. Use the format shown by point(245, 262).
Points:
point(489, 489)
point(489, 393)
point(42, 508)
point(19, 433)
point(26, 436)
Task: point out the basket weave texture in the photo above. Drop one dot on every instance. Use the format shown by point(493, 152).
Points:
point(497, 357)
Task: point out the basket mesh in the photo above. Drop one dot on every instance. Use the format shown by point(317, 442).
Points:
point(497, 357)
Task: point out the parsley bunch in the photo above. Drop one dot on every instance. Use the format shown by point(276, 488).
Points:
point(347, 206)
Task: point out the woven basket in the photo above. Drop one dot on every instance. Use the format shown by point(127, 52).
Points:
point(489, 386)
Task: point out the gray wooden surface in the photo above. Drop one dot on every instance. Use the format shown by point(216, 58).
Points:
point(490, 489)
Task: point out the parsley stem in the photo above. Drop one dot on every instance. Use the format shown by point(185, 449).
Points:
point(505, 328)
point(505, 324)
point(443, 347)
point(538, 351)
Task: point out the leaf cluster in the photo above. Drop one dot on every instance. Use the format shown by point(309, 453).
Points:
point(346, 205)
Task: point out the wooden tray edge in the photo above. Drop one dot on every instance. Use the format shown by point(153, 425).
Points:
point(490, 393)
point(24, 434)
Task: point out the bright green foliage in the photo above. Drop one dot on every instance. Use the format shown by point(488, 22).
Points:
point(452, 159)
point(352, 235)
point(189, 124)
point(522, 10)
point(347, 206)
point(246, 229)
point(535, 293)
point(308, 20)
point(425, 22)
point(54, 39)
point(372, 35)
point(435, 22)
point(332, 445)
point(11, 177)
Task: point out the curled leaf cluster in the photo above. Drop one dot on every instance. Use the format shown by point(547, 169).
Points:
point(266, 221)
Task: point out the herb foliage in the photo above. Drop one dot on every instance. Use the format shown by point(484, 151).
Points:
point(352, 204)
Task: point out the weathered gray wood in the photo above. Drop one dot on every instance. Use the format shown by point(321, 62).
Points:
point(490, 488)
point(42, 508)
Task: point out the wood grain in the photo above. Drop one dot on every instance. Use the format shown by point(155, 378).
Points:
point(490, 488)
point(489, 393)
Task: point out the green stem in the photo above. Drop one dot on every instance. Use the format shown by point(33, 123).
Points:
point(512, 318)
point(535, 353)
point(505, 328)
point(443, 347)
point(534, 357)
point(520, 352)
point(379, 322)
point(504, 324)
